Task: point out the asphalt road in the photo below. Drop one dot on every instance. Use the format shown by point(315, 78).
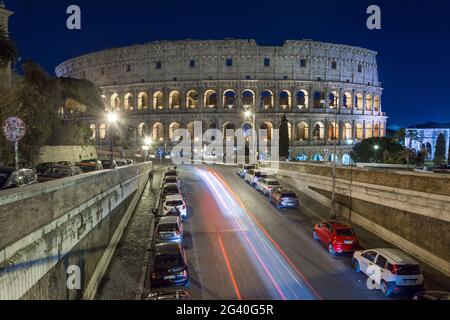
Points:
point(241, 247)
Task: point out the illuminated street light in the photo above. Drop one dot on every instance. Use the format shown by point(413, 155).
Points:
point(112, 118)
point(148, 141)
point(376, 147)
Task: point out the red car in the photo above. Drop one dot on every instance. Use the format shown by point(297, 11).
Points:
point(336, 236)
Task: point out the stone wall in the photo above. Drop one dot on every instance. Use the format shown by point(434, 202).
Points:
point(410, 210)
point(72, 222)
point(66, 153)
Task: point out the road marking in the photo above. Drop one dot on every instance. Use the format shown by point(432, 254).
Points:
point(230, 270)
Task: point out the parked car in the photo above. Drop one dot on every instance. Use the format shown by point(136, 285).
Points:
point(12, 178)
point(129, 161)
point(169, 229)
point(169, 266)
point(169, 294)
point(121, 163)
point(108, 164)
point(242, 169)
point(175, 201)
point(59, 172)
point(42, 167)
point(171, 173)
point(432, 295)
point(337, 237)
point(170, 189)
point(398, 271)
point(254, 175)
point(284, 198)
point(65, 163)
point(90, 165)
point(172, 179)
point(267, 185)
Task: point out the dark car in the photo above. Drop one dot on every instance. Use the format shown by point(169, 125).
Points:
point(90, 165)
point(169, 189)
point(121, 163)
point(12, 178)
point(284, 198)
point(42, 167)
point(169, 294)
point(432, 295)
point(169, 266)
point(65, 163)
point(108, 164)
point(59, 172)
point(129, 161)
point(171, 173)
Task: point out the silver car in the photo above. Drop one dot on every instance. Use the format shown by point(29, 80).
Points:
point(169, 229)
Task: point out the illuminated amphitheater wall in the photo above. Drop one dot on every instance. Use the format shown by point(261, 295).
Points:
point(161, 86)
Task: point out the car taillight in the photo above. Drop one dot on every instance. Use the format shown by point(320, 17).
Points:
point(394, 269)
point(153, 275)
point(270, 188)
point(178, 233)
point(184, 207)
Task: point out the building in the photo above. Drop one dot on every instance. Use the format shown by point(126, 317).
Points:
point(4, 26)
point(161, 86)
point(427, 135)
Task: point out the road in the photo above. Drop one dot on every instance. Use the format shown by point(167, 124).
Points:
point(240, 247)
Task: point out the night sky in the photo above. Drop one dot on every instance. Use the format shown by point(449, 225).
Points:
point(413, 45)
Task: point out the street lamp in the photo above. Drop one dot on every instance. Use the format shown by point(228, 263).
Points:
point(251, 115)
point(112, 119)
point(147, 146)
point(376, 148)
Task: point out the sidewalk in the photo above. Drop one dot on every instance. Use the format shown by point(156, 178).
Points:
point(317, 212)
point(123, 279)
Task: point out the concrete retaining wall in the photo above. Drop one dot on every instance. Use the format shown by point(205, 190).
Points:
point(47, 228)
point(408, 209)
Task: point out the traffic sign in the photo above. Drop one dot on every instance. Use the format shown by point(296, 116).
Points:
point(14, 129)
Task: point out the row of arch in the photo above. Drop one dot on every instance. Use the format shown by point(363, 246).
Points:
point(286, 100)
point(303, 131)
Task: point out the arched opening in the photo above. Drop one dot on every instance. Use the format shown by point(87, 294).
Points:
point(346, 160)
point(369, 102)
point(359, 101)
point(192, 99)
point(269, 130)
point(173, 126)
point(128, 102)
point(102, 131)
point(302, 131)
point(302, 99)
point(267, 99)
point(376, 130)
point(368, 130)
point(210, 99)
point(142, 130)
point(333, 157)
point(229, 99)
point(302, 157)
point(247, 130)
point(158, 100)
point(318, 131)
point(317, 99)
point(142, 100)
point(348, 133)
point(115, 102)
point(158, 132)
point(333, 131)
point(290, 131)
point(317, 157)
point(347, 100)
point(190, 129)
point(285, 100)
point(228, 126)
point(333, 99)
point(248, 99)
point(376, 104)
point(174, 100)
point(93, 128)
point(382, 130)
point(359, 131)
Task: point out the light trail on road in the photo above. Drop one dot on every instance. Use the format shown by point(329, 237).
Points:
point(282, 279)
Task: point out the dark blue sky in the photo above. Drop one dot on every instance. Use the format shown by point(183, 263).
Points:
point(413, 45)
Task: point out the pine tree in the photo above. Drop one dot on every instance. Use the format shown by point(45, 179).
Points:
point(284, 138)
point(439, 153)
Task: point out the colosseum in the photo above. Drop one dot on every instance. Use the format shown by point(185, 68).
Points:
point(329, 93)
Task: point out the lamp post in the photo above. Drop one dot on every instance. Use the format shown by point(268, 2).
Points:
point(376, 147)
point(333, 193)
point(252, 115)
point(147, 146)
point(112, 119)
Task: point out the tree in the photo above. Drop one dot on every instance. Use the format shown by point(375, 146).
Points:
point(389, 150)
point(8, 50)
point(439, 153)
point(284, 138)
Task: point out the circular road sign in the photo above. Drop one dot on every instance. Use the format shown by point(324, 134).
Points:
point(14, 129)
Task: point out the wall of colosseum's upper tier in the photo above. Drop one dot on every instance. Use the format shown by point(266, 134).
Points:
point(207, 60)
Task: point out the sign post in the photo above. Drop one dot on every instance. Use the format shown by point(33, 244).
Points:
point(14, 129)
